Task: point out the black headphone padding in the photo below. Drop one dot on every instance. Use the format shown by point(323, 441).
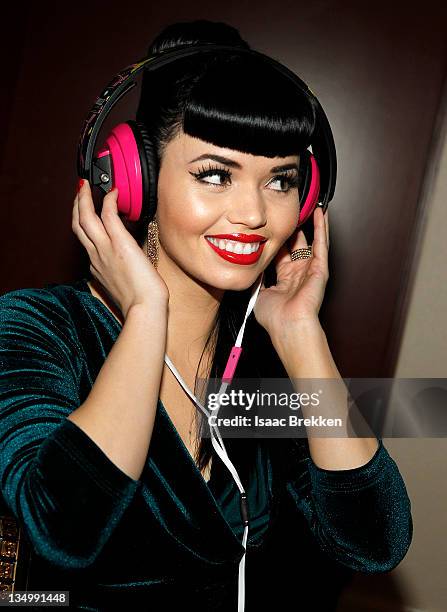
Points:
point(149, 167)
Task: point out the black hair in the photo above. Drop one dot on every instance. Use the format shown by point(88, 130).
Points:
point(239, 102)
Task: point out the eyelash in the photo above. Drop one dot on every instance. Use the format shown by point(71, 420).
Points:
point(289, 176)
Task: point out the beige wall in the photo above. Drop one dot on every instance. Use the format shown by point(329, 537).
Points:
point(419, 583)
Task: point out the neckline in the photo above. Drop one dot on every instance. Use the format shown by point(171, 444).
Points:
point(183, 446)
point(205, 484)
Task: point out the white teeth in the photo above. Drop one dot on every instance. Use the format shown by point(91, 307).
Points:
point(235, 246)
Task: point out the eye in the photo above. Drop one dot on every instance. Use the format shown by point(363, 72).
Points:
point(212, 172)
point(290, 179)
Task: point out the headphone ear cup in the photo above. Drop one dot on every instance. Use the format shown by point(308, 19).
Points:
point(120, 159)
point(310, 190)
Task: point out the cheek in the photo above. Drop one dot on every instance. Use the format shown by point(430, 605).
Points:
point(284, 223)
point(182, 216)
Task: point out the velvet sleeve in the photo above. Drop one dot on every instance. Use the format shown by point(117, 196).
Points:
point(361, 517)
point(60, 486)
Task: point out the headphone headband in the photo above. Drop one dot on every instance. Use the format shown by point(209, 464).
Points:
point(323, 146)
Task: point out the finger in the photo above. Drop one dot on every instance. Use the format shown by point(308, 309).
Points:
point(77, 229)
point(319, 245)
point(326, 222)
point(296, 241)
point(110, 216)
point(89, 220)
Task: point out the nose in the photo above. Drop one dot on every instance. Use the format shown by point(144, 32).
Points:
point(247, 208)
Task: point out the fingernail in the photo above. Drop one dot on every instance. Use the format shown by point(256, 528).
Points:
point(80, 183)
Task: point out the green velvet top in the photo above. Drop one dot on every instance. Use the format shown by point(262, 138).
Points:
point(170, 539)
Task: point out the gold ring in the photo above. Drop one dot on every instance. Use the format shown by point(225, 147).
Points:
point(303, 253)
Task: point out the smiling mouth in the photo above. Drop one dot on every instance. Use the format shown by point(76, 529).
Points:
point(234, 246)
point(236, 251)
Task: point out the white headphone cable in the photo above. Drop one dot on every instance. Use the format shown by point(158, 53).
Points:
point(218, 443)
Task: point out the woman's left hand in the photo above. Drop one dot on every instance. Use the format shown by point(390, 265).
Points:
point(299, 291)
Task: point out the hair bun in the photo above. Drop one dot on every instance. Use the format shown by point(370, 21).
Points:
point(191, 33)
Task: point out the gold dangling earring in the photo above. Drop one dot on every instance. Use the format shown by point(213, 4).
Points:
point(152, 242)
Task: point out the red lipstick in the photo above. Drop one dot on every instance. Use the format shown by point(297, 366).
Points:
point(239, 258)
point(240, 237)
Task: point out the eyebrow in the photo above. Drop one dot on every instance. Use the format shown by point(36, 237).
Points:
point(235, 164)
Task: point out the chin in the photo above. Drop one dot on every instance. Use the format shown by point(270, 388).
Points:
point(238, 280)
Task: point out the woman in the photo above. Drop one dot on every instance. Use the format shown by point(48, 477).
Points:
point(103, 463)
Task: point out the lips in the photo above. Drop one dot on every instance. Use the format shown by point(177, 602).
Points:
point(240, 237)
point(238, 258)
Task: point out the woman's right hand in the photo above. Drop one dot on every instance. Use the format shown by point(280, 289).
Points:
point(117, 261)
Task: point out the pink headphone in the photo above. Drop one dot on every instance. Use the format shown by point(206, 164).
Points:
point(128, 160)
point(125, 159)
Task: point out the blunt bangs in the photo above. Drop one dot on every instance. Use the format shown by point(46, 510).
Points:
point(243, 103)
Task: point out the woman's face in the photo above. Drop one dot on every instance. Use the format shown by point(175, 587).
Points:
point(238, 193)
